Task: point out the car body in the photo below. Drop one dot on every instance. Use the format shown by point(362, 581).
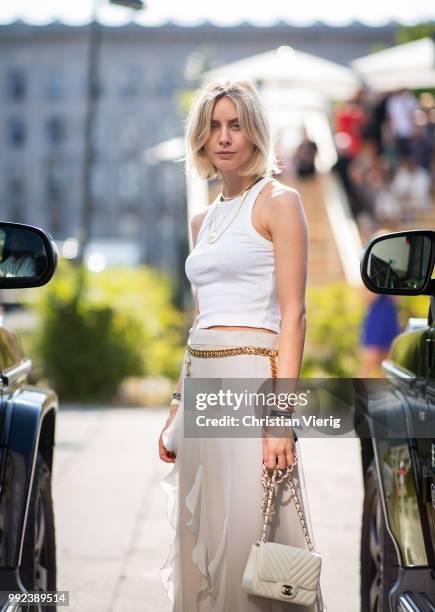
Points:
point(27, 431)
point(398, 453)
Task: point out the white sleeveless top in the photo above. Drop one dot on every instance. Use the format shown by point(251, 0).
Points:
point(235, 276)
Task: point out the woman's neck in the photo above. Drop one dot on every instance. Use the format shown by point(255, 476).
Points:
point(233, 184)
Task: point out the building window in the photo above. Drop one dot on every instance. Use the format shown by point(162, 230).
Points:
point(16, 85)
point(129, 181)
point(166, 82)
point(131, 81)
point(56, 130)
point(55, 189)
point(99, 84)
point(129, 222)
point(16, 195)
point(169, 129)
point(129, 133)
point(55, 85)
point(16, 129)
point(99, 174)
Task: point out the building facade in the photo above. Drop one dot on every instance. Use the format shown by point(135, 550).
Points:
point(145, 74)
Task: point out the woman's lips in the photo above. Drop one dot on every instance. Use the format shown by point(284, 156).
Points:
point(225, 154)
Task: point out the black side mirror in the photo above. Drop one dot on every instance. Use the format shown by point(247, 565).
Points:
point(400, 263)
point(28, 256)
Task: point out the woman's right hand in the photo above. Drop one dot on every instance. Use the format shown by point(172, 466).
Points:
point(165, 455)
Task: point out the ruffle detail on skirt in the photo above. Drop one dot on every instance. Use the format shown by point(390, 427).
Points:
point(212, 593)
point(217, 569)
point(169, 484)
point(193, 503)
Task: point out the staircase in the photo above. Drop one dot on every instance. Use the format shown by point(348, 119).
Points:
point(334, 244)
point(335, 241)
point(427, 220)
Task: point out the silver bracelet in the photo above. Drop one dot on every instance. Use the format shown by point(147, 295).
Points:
point(277, 412)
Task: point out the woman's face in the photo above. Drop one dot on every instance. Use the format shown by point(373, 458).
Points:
point(227, 146)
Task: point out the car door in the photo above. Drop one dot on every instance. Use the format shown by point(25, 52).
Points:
point(425, 447)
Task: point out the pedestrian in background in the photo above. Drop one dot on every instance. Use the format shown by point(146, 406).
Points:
point(380, 327)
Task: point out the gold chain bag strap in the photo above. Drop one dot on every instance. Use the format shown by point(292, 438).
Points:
point(279, 571)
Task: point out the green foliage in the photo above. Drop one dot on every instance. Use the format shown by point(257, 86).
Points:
point(184, 99)
point(334, 317)
point(413, 306)
point(98, 328)
point(406, 34)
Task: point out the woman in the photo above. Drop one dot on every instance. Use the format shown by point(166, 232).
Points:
point(249, 269)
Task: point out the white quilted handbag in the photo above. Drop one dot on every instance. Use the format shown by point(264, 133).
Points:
point(279, 571)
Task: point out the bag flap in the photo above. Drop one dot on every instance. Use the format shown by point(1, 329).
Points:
point(280, 562)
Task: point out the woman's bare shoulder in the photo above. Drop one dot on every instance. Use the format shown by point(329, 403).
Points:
point(198, 218)
point(275, 190)
point(277, 198)
point(196, 222)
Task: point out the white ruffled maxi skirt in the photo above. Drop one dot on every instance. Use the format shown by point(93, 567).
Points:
point(213, 495)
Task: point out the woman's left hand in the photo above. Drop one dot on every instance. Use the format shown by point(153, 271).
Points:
point(278, 452)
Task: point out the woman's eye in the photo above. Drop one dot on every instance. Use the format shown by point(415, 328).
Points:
point(236, 125)
point(213, 126)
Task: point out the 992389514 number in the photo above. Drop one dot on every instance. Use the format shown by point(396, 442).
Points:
point(54, 598)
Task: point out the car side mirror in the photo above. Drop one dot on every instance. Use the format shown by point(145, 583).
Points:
point(400, 263)
point(28, 256)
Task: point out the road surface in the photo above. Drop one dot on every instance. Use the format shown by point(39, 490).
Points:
point(112, 530)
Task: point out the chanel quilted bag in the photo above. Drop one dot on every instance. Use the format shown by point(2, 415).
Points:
point(279, 571)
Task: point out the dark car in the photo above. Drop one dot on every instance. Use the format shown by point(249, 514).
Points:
point(28, 258)
point(398, 455)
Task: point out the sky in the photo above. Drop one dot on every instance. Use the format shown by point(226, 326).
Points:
point(222, 12)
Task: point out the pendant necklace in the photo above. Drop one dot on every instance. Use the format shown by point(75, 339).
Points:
point(218, 223)
point(213, 233)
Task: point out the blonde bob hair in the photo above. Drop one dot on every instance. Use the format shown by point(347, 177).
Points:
point(252, 117)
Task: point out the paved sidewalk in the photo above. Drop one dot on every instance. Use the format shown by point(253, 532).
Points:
point(112, 530)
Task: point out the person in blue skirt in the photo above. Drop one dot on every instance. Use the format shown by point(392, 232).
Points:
point(380, 327)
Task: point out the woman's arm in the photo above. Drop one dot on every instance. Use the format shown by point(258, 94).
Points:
point(289, 230)
point(165, 455)
point(195, 225)
point(195, 320)
point(288, 227)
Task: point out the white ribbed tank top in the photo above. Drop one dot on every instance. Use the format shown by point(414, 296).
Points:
point(235, 276)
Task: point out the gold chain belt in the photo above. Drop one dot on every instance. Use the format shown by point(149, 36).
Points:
point(229, 352)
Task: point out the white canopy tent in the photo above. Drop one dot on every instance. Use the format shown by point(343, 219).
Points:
point(288, 67)
point(167, 150)
point(297, 89)
point(291, 109)
point(410, 65)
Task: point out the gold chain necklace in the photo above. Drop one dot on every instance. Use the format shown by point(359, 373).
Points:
point(224, 198)
point(212, 233)
point(224, 218)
